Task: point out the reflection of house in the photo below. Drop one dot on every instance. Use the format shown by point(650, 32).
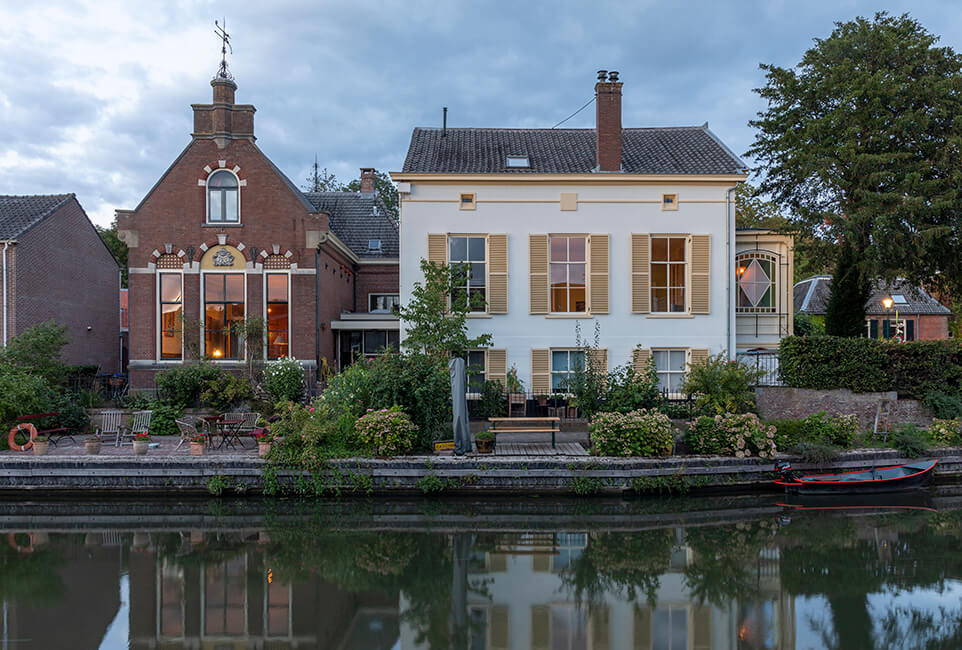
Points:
point(54, 265)
point(924, 317)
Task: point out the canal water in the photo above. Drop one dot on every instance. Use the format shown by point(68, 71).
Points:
point(653, 574)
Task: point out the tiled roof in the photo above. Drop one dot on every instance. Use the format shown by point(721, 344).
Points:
point(357, 219)
point(811, 297)
point(670, 150)
point(19, 213)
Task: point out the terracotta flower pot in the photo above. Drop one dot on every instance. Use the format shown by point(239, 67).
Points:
point(93, 447)
point(263, 448)
point(197, 448)
point(41, 447)
point(140, 447)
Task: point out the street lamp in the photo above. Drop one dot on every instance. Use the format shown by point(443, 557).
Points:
point(887, 302)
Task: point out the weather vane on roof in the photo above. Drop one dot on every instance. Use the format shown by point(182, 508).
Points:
point(220, 30)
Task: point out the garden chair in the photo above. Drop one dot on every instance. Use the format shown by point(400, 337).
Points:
point(250, 419)
point(140, 424)
point(110, 425)
point(188, 430)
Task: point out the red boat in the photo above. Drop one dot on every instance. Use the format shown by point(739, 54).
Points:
point(878, 479)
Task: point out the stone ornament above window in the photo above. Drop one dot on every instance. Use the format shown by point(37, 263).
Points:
point(223, 257)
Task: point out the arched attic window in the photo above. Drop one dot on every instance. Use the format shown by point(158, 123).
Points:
point(757, 272)
point(223, 205)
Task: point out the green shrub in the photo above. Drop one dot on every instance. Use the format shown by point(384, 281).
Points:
point(945, 406)
point(163, 419)
point(22, 393)
point(493, 402)
point(787, 432)
point(723, 386)
point(284, 379)
point(838, 430)
point(637, 433)
point(37, 350)
point(72, 413)
point(628, 390)
point(817, 453)
point(909, 440)
point(808, 325)
point(182, 385)
point(388, 432)
point(946, 432)
point(740, 435)
point(866, 365)
point(226, 391)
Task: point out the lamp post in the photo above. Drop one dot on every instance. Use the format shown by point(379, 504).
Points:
point(887, 302)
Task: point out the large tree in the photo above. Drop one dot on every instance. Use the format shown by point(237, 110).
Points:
point(862, 142)
point(117, 248)
point(383, 187)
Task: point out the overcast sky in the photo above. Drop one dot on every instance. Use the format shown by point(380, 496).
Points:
point(95, 96)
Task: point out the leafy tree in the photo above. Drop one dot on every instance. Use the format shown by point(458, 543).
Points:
point(436, 316)
point(383, 187)
point(116, 247)
point(851, 289)
point(862, 142)
point(321, 180)
point(37, 350)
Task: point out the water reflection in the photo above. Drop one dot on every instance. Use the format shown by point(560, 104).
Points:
point(745, 578)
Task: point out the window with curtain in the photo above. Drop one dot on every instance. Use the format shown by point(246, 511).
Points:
point(668, 274)
point(171, 316)
point(469, 254)
point(568, 270)
point(223, 313)
point(670, 367)
point(222, 205)
point(756, 272)
point(278, 315)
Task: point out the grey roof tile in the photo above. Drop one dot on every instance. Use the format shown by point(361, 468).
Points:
point(669, 150)
point(19, 213)
point(356, 222)
point(917, 301)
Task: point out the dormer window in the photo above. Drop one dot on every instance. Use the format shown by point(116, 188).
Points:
point(518, 161)
point(374, 245)
point(222, 203)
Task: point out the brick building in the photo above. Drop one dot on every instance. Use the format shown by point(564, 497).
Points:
point(55, 266)
point(224, 235)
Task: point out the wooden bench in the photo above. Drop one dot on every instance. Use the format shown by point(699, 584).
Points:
point(59, 432)
point(550, 425)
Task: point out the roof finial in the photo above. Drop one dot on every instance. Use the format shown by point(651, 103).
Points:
point(220, 30)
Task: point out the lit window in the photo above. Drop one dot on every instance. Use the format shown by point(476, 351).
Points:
point(171, 316)
point(670, 366)
point(518, 161)
point(222, 197)
point(383, 303)
point(467, 254)
point(278, 316)
point(564, 364)
point(756, 273)
point(223, 314)
point(568, 274)
point(668, 272)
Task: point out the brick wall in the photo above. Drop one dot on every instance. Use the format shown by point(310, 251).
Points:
point(782, 402)
point(381, 278)
point(932, 327)
point(64, 272)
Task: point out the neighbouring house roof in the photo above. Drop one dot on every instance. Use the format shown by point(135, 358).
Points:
point(20, 213)
point(667, 150)
point(359, 219)
point(811, 297)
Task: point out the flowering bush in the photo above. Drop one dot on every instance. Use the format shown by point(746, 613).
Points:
point(387, 432)
point(946, 432)
point(742, 436)
point(284, 379)
point(637, 433)
point(141, 436)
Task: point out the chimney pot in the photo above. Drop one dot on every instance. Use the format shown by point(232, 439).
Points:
point(613, 76)
point(602, 75)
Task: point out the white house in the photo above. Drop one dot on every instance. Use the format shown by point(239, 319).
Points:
point(632, 229)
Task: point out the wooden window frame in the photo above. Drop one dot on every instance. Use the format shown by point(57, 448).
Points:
point(587, 266)
point(669, 201)
point(552, 372)
point(486, 262)
point(751, 255)
point(207, 192)
point(203, 311)
point(683, 372)
point(651, 274)
point(267, 304)
point(159, 306)
point(470, 204)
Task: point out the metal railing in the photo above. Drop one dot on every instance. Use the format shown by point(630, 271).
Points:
point(765, 362)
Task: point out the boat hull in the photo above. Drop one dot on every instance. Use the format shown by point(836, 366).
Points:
point(897, 478)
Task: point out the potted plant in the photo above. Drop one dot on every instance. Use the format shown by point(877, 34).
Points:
point(484, 441)
point(515, 389)
point(264, 440)
point(93, 445)
point(41, 445)
point(141, 442)
point(198, 444)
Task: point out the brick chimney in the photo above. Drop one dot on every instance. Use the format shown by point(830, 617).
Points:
point(608, 121)
point(223, 120)
point(367, 180)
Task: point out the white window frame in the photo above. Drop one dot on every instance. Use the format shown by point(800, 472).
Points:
point(219, 222)
point(687, 273)
point(487, 266)
point(769, 256)
point(371, 296)
point(290, 314)
point(158, 311)
point(484, 371)
point(552, 372)
point(587, 264)
point(683, 372)
point(203, 312)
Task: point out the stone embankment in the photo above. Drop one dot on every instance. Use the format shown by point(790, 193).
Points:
point(64, 475)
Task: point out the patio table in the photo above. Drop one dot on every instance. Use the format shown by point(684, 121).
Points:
point(229, 432)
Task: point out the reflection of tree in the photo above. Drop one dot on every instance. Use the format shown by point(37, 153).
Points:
point(628, 564)
point(925, 630)
point(31, 579)
point(725, 561)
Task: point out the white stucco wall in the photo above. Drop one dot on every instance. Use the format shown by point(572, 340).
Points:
point(619, 210)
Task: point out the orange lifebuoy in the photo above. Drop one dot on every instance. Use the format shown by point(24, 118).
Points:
point(12, 540)
point(22, 428)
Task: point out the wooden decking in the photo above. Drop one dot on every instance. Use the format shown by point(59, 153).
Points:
point(538, 449)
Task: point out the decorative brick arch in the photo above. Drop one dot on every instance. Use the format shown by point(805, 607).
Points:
point(275, 250)
point(168, 249)
point(222, 240)
point(218, 165)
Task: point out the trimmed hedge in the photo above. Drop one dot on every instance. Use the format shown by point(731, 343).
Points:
point(869, 365)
